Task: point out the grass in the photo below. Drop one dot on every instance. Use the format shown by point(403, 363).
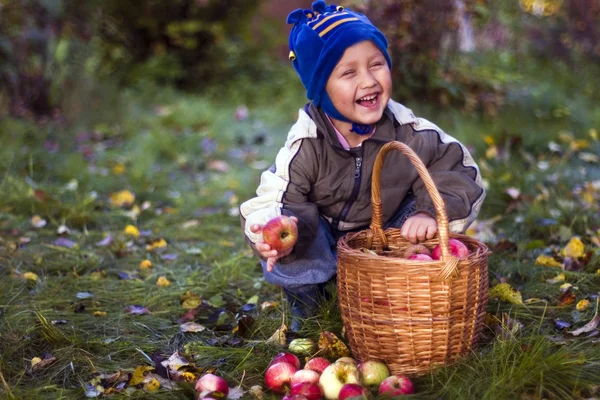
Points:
point(190, 164)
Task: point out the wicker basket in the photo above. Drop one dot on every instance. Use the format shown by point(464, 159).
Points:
point(412, 315)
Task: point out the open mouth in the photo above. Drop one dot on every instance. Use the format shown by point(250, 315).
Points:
point(369, 100)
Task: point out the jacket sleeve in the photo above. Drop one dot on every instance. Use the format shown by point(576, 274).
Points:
point(455, 174)
point(283, 190)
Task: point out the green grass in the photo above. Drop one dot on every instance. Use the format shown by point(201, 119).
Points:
point(190, 164)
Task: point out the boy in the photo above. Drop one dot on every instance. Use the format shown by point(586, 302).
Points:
point(322, 176)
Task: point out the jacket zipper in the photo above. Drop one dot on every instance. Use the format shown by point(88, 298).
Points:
point(350, 201)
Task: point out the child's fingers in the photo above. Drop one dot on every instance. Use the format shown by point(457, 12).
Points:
point(294, 219)
point(431, 232)
point(255, 228)
point(270, 263)
point(262, 247)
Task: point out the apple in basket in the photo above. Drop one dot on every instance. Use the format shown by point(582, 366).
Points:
point(280, 233)
point(416, 249)
point(396, 385)
point(457, 248)
point(337, 375)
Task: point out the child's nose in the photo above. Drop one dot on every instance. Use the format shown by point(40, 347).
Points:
point(368, 80)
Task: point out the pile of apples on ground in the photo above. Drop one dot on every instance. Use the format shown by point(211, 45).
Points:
point(343, 379)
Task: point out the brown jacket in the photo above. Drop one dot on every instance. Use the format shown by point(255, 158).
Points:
point(313, 175)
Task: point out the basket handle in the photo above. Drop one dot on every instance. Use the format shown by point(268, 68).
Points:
point(450, 262)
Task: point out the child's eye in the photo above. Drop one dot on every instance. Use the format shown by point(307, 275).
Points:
point(347, 73)
point(376, 64)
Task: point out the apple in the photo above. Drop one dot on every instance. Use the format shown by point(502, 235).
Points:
point(212, 383)
point(302, 346)
point(349, 360)
point(373, 372)
point(337, 375)
point(396, 385)
point(457, 248)
point(279, 376)
point(305, 375)
point(416, 249)
point(310, 390)
point(294, 397)
point(317, 364)
point(353, 391)
point(420, 257)
point(286, 357)
point(280, 233)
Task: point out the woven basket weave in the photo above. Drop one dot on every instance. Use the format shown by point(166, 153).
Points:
point(412, 315)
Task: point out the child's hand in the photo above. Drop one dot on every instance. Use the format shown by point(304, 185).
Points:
point(419, 227)
point(265, 250)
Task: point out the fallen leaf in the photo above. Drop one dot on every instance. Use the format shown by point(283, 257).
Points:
point(175, 362)
point(567, 298)
point(279, 336)
point(330, 346)
point(565, 286)
point(558, 278)
point(505, 292)
point(162, 281)
point(218, 165)
point(190, 300)
point(513, 192)
point(574, 248)
point(63, 230)
point(105, 242)
point(31, 276)
point(93, 389)
point(583, 305)
point(64, 242)
point(590, 326)
point(38, 222)
point(131, 230)
point(119, 169)
point(547, 261)
point(156, 244)
point(191, 327)
point(256, 391)
point(99, 313)
point(236, 393)
point(39, 363)
point(84, 295)
point(123, 198)
point(138, 376)
point(145, 264)
point(136, 310)
point(560, 324)
point(35, 360)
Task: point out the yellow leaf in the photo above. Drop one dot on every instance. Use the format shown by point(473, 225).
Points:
point(132, 231)
point(99, 313)
point(35, 360)
point(145, 264)
point(558, 278)
point(491, 152)
point(31, 276)
point(489, 140)
point(119, 169)
point(579, 144)
point(331, 346)
point(582, 305)
point(593, 134)
point(138, 375)
point(156, 244)
point(565, 286)
point(547, 261)
point(505, 292)
point(574, 248)
point(152, 386)
point(188, 376)
point(124, 198)
point(226, 243)
point(163, 281)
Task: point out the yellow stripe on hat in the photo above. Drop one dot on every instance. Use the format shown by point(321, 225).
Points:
point(327, 19)
point(336, 23)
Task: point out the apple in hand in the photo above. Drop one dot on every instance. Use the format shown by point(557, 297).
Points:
point(353, 391)
point(337, 375)
point(317, 364)
point(310, 390)
point(457, 248)
point(210, 383)
point(396, 385)
point(280, 233)
point(286, 357)
point(279, 376)
point(373, 372)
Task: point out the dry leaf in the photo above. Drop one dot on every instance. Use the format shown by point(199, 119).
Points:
point(123, 198)
point(330, 346)
point(31, 276)
point(162, 281)
point(145, 264)
point(191, 327)
point(583, 305)
point(547, 261)
point(590, 326)
point(505, 292)
point(139, 375)
point(38, 222)
point(152, 385)
point(175, 361)
point(574, 248)
point(131, 230)
point(156, 244)
point(279, 336)
point(558, 278)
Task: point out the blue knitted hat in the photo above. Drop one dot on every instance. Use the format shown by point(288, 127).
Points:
point(317, 42)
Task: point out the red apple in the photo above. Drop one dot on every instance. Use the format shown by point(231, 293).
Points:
point(353, 391)
point(310, 390)
point(279, 376)
point(294, 397)
point(286, 357)
point(305, 375)
point(317, 364)
point(457, 248)
point(210, 383)
point(396, 385)
point(373, 372)
point(280, 233)
point(416, 249)
point(337, 375)
point(420, 257)
point(349, 360)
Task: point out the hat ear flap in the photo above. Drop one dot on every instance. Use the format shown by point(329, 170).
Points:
point(296, 16)
point(319, 6)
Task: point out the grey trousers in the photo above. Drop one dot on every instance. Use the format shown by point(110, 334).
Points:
point(318, 264)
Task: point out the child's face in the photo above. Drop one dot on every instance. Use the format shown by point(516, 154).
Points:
point(360, 85)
